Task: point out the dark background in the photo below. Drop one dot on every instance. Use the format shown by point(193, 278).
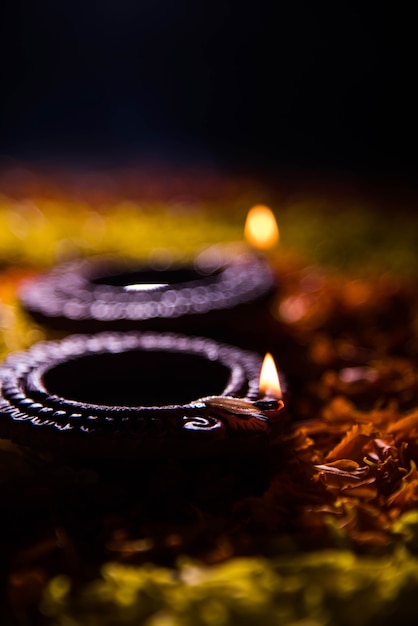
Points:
point(295, 84)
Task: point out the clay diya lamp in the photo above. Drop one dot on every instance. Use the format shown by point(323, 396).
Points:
point(118, 294)
point(136, 396)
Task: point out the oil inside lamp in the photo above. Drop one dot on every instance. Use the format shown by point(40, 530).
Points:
point(146, 286)
point(261, 230)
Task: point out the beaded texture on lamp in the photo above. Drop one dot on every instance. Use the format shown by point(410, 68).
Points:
point(91, 294)
point(69, 395)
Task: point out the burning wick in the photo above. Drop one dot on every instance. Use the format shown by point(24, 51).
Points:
point(269, 388)
point(238, 410)
point(145, 286)
point(269, 379)
point(261, 230)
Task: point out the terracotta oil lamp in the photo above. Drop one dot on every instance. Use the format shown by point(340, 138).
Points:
point(138, 395)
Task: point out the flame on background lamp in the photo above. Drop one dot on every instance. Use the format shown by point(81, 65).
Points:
point(269, 379)
point(261, 230)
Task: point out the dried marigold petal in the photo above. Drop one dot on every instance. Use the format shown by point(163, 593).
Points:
point(366, 490)
point(379, 450)
point(338, 479)
point(406, 496)
point(380, 417)
point(347, 465)
point(352, 445)
point(406, 428)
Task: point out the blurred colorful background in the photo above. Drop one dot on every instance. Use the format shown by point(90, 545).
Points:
point(144, 128)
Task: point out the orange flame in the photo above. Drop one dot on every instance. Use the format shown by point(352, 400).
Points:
point(269, 379)
point(261, 230)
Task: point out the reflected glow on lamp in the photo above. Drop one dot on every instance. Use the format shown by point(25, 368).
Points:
point(261, 230)
point(146, 286)
point(269, 379)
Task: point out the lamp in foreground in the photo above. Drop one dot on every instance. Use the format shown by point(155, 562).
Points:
point(136, 395)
